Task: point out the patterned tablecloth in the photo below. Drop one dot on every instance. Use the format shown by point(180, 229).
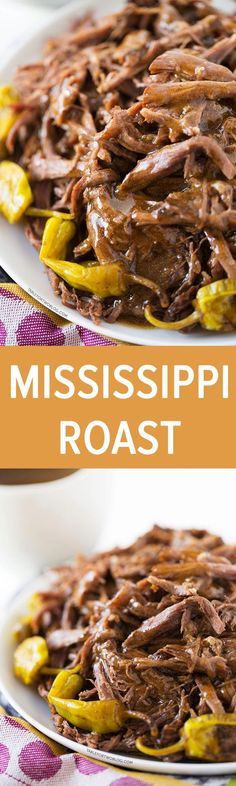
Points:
point(28, 758)
point(24, 322)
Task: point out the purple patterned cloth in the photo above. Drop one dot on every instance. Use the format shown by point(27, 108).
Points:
point(24, 322)
point(27, 758)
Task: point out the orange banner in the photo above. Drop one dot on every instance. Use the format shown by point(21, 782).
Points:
point(66, 407)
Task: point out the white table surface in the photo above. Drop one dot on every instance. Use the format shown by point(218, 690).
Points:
point(17, 20)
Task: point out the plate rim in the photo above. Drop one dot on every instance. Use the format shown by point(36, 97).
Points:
point(120, 331)
point(112, 759)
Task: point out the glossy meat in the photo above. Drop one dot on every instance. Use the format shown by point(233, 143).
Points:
point(152, 625)
point(130, 123)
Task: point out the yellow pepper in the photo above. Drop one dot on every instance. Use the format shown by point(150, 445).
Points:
point(217, 304)
point(34, 647)
point(16, 196)
point(107, 280)
point(102, 280)
point(214, 308)
point(29, 658)
point(8, 115)
point(66, 685)
point(103, 717)
point(200, 739)
point(56, 237)
point(38, 212)
point(15, 191)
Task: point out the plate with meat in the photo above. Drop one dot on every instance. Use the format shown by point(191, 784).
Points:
point(118, 170)
point(128, 656)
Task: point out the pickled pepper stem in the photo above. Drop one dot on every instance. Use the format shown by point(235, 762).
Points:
point(214, 307)
point(192, 319)
point(137, 716)
point(38, 212)
point(50, 670)
point(178, 746)
point(199, 739)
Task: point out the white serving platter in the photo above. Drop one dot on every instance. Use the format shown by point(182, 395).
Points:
point(33, 709)
point(20, 260)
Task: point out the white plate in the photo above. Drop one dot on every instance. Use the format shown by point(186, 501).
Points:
point(31, 707)
point(20, 260)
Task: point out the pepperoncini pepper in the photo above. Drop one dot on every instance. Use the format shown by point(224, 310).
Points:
point(66, 685)
point(103, 717)
point(107, 280)
point(15, 191)
point(8, 115)
point(217, 304)
point(201, 739)
point(102, 280)
point(100, 716)
point(56, 237)
point(16, 195)
point(29, 658)
point(214, 308)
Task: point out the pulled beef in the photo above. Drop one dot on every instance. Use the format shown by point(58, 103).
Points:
point(129, 122)
point(170, 618)
point(152, 625)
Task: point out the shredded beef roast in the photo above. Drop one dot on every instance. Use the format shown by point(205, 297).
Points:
point(130, 122)
point(152, 625)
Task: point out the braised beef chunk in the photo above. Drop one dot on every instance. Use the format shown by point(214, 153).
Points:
point(129, 121)
point(152, 625)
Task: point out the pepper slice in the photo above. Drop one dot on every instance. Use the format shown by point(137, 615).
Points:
point(16, 194)
point(215, 309)
point(217, 304)
point(29, 658)
point(103, 717)
point(56, 237)
point(8, 115)
point(200, 739)
point(15, 191)
point(102, 280)
point(66, 686)
point(100, 716)
point(107, 280)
